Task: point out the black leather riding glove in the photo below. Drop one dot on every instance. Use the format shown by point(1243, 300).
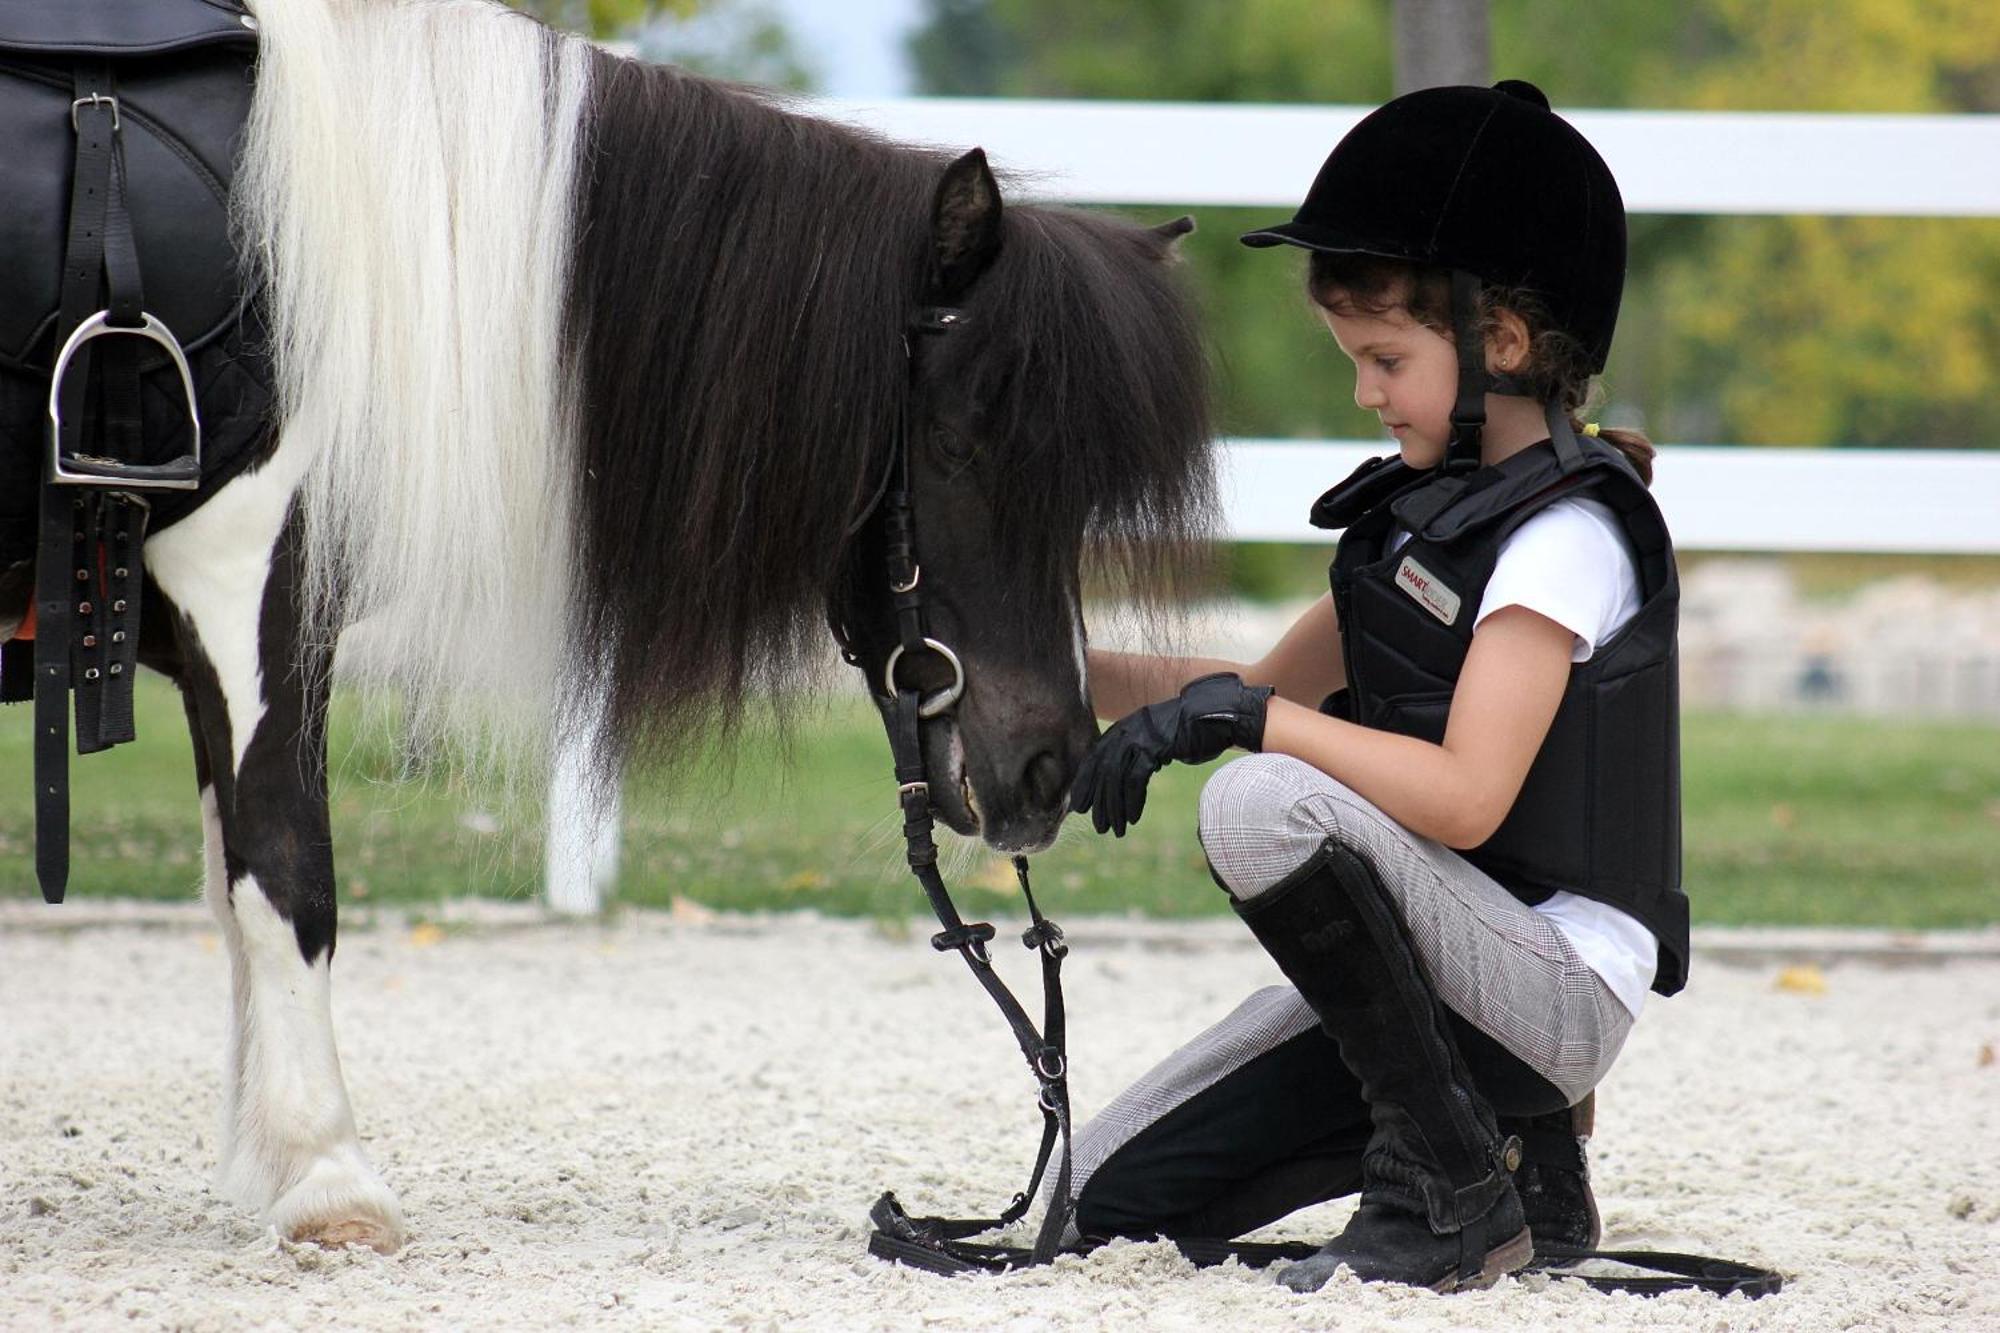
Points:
point(1207, 717)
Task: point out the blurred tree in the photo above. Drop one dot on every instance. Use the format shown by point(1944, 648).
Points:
point(1755, 330)
point(1440, 43)
point(1842, 330)
point(602, 18)
point(730, 39)
point(961, 48)
point(1265, 50)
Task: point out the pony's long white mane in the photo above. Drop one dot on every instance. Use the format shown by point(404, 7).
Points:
point(407, 185)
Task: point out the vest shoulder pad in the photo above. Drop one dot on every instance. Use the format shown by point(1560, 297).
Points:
point(1368, 486)
point(1529, 480)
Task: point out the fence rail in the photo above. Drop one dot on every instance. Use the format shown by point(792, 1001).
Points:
point(1264, 156)
point(1931, 501)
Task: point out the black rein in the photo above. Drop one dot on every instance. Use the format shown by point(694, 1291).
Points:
point(929, 1242)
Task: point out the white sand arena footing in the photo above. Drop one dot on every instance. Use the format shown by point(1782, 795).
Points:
point(665, 1122)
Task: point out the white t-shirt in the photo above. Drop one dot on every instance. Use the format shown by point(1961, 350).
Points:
point(1571, 563)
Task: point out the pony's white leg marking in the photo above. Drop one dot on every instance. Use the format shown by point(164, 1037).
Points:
point(296, 1155)
point(289, 1145)
point(215, 892)
point(276, 1112)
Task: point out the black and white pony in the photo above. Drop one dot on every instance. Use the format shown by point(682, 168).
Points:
point(588, 376)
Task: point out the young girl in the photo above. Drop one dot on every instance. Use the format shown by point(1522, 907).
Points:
point(1461, 839)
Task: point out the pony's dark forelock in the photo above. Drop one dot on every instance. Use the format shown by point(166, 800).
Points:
point(1087, 364)
point(741, 285)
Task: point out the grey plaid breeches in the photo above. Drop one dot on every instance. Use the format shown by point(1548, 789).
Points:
point(1499, 963)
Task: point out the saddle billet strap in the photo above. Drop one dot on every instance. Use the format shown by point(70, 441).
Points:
point(109, 541)
point(87, 630)
point(124, 577)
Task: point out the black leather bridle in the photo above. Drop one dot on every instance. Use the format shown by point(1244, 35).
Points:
point(931, 1241)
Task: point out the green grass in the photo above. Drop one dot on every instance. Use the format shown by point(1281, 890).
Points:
point(1808, 820)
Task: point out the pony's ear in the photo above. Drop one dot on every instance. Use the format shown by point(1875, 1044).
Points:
point(965, 224)
point(1170, 233)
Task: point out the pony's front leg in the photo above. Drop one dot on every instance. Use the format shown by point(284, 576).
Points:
point(256, 701)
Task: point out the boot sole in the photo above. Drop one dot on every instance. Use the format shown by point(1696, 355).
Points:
point(1501, 1260)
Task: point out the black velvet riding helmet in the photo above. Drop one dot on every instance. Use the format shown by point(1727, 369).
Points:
point(1488, 180)
point(1491, 185)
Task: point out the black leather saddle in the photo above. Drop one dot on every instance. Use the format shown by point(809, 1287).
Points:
point(183, 72)
point(126, 326)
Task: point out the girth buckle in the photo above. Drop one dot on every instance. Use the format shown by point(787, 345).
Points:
point(95, 99)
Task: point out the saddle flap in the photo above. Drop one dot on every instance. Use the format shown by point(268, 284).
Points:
point(180, 118)
point(116, 28)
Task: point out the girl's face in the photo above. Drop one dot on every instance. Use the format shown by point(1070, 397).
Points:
point(1406, 374)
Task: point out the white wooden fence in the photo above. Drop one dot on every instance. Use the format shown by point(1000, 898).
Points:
point(1665, 161)
point(1934, 501)
point(1176, 154)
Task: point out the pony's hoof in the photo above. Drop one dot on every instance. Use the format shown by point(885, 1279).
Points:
point(337, 1204)
point(365, 1232)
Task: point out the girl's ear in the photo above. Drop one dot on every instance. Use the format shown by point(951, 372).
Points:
point(1507, 342)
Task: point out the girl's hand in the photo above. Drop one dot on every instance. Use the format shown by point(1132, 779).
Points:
point(1207, 717)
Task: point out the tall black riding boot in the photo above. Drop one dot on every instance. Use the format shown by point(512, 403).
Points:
point(1438, 1207)
point(1554, 1178)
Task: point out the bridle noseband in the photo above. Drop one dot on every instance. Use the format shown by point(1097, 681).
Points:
point(899, 1235)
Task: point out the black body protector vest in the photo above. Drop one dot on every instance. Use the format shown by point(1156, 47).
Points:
point(1599, 814)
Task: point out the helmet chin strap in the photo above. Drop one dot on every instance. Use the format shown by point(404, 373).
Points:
point(1475, 381)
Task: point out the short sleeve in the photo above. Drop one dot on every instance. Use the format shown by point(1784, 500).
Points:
point(1570, 563)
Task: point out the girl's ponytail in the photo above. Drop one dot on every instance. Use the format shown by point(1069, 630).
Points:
point(1638, 450)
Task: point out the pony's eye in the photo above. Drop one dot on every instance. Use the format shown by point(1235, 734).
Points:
point(950, 444)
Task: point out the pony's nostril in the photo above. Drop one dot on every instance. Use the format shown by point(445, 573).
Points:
point(1044, 781)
